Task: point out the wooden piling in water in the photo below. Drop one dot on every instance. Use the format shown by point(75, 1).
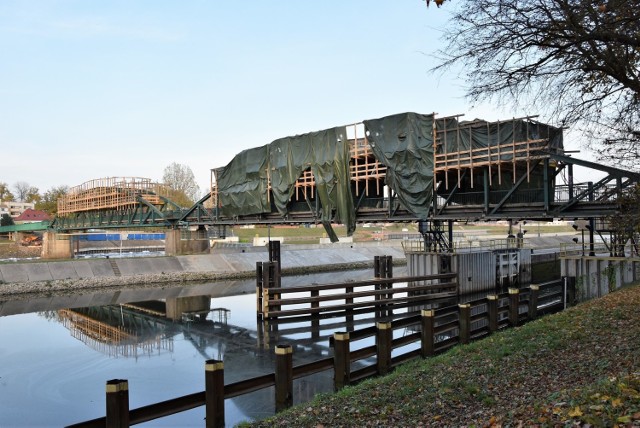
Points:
point(214, 393)
point(341, 360)
point(117, 403)
point(284, 377)
point(259, 279)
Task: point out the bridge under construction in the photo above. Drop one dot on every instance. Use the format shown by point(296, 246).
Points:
point(400, 168)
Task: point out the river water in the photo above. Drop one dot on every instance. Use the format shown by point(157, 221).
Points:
point(56, 353)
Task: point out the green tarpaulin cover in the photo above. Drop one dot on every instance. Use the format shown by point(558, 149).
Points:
point(242, 184)
point(402, 142)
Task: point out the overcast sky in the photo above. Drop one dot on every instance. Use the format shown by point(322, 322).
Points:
point(92, 89)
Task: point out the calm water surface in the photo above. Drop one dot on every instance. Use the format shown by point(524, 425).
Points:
point(56, 353)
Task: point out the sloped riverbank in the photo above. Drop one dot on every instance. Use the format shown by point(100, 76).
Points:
point(69, 275)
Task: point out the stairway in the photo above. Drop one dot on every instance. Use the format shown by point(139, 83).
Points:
point(114, 266)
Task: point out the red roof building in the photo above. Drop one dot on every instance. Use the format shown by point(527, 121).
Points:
point(32, 216)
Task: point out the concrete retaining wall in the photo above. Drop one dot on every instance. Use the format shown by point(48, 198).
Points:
point(224, 262)
point(597, 276)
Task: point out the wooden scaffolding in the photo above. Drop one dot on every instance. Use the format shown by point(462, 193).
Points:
point(110, 193)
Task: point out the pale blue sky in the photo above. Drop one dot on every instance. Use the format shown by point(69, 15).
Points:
point(92, 89)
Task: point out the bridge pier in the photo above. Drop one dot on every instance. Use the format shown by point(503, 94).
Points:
point(181, 242)
point(193, 305)
point(56, 246)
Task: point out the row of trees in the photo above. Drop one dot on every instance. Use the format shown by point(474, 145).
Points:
point(179, 178)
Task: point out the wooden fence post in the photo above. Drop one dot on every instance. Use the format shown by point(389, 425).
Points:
point(388, 273)
point(492, 311)
point(464, 323)
point(388, 266)
point(214, 393)
point(341, 360)
point(427, 339)
point(533, 301)
point(384, 336)
point(514, 303)
point(284, 377)
point(117, 403)
point(377, 273)
point(349, 300)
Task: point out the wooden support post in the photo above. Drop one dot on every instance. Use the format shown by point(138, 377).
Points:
point(274, 254)
point(384, 336)
point(492, 311)
point(266, 284)
point(388, 266)
point(315, 320)
point(427, 339)
point(533, 301)
point(341, 360)
point(514, 303)
point(377, 273)
point(259, 290)
point(117, 403)
point(464, 323)
point(347, 301)
point(284, 377)
point(388, 269)
point(214, 393)
point(270, 279)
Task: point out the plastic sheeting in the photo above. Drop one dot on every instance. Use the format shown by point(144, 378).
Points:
point(242, 184)
point(404, 143)
point(479, 134)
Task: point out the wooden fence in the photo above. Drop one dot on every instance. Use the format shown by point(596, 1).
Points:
point(381, 295)
point(431, 331)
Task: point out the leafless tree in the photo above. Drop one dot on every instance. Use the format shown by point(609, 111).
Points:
point(181, 180)
point(576, 61)
point(22, 190)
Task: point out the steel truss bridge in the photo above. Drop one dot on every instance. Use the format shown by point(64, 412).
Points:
point(519, 180)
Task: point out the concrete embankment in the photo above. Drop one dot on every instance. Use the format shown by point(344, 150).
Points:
point(222, 263)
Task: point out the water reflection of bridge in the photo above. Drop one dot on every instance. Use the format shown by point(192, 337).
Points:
point(150, 327)
point(116, 332)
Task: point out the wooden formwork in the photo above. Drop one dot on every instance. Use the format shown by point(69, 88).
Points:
point(110, 193)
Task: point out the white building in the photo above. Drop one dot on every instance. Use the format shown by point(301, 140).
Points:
point(14, 209)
